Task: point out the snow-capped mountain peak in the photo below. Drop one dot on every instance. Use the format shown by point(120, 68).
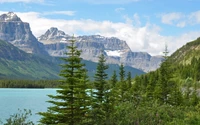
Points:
point(53, 34)
point(10, 16)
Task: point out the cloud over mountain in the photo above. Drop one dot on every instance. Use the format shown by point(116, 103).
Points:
point(146, 38)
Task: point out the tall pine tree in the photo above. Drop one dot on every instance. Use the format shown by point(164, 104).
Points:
point(162, 89)
point(129, 81)
point(113, 79)
point(71, 104)
point(123, 85)
point(100, 92)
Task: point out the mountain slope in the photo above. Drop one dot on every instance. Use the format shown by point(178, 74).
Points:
point(185, 54)
point(16, 64)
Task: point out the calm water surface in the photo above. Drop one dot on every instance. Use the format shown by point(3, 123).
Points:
point(34, 99)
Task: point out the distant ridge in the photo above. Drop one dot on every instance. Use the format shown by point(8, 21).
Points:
point(116, 51)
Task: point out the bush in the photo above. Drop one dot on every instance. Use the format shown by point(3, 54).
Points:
point(20, 118)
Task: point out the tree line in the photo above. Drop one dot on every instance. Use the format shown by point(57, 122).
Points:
point(6, 83)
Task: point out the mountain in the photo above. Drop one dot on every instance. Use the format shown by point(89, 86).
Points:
point(53, 42)
point(17, 64)
point(116, 50)
point(185, 54)
point(13, 30)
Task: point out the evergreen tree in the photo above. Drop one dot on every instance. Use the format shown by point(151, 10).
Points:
point(113, 79)
point(113, 95)
point(162, 89)
point(69, 106)
point(123, 87)
point(122, 73)
point(129, 80)
point(194, 96)
point(151, 85)
point(188, 84)
point(136, 90)
point(175, 97)
point(100, 93)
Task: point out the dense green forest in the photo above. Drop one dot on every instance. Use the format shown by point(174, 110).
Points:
point(167, 96)
point(6, 83)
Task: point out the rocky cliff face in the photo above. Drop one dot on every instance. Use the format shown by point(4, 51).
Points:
point(13, 30)
point(116, 50)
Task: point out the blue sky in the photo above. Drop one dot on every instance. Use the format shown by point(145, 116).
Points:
point(146, 25)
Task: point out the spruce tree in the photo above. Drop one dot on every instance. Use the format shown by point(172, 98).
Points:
point(71, 104)
point(113, 95)
point(162, 89)
point(194, 97)
point(123, 87)
point(153, 77)
point(175, 97)
point(100, 93)
point(113, 79)
point(122, 73)
point(188, 91)
point(129, 80)
point(136, 90)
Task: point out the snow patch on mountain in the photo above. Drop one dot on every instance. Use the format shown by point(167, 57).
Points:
point(63, 40)
point(99, 37)
point(10, 16)
point(115, 53)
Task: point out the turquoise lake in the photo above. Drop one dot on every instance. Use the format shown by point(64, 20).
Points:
point(34, 99)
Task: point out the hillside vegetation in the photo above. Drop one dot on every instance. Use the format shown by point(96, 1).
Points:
point(16, 64)
point(186, 53)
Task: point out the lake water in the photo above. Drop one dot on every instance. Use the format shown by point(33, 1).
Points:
point(34, 99)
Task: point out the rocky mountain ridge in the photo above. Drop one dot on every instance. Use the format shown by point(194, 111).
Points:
point(116, 50)
point(17, 32)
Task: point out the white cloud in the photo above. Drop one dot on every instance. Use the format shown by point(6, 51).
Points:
point(181, 20)
point(139, 38)
point(25, 1)
point(181, 24)
point(194, 17)
point(136, 19)
point(68, 13)
point(170, 18)
point(145, 38)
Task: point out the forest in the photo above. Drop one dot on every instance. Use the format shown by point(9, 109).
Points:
point(19, 83)
point(167, 96)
